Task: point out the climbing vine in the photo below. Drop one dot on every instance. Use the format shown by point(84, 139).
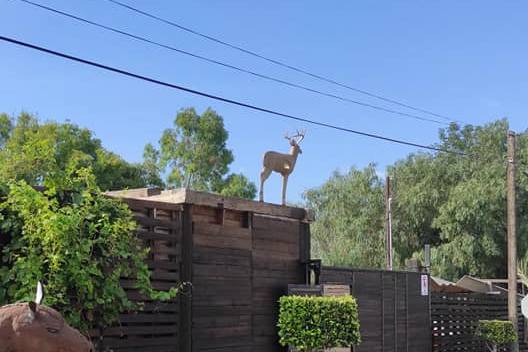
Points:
point(78, 242)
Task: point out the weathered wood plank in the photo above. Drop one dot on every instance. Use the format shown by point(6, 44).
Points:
point(185, 196)
point(186, 276)
point(160, 329)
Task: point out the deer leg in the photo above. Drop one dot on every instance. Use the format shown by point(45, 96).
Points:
point(284, 185)
point(263, 177)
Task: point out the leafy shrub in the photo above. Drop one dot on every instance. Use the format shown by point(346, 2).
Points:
point(496, 332)
point(314, 323)
point(78, 242)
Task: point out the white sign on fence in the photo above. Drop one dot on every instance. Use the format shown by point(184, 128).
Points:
point(524, 306)
point(425, 285)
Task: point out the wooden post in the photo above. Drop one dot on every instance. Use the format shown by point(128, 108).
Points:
point(512, 237)
point(388, 222)
point(185, 335)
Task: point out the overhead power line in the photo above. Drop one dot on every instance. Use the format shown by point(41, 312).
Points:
point(223, 99)
point(279, 62)
point(216, 62)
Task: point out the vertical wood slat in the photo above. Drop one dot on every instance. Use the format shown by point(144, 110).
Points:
point(251, 262)
point(304, 243)
point(407, 313)
point(395, 313)
point(186, 276)
point(382, 304)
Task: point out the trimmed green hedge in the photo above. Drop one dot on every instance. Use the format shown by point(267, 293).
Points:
point(496, 332)
point(313, 323)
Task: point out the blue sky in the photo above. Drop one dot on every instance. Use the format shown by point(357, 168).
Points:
point(464, 59)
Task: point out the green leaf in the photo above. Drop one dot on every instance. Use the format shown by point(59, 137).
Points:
point(313, 323)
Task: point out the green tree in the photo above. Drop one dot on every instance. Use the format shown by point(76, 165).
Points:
point(76, 240)
point(496, 333)
point(455, 203)
point(458, 204)
point(349, 213)
point(197, 157)
point(40, 152)
point(5, 128)
point(151, 167)
point(236, 185)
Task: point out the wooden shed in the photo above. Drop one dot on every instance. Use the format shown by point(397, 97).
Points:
point(239, 255)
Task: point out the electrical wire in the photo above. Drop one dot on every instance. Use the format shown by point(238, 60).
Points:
point(216, 62)
point(280, 63)
point(222, 99)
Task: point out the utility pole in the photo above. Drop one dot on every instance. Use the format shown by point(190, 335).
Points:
point(512, 237)
point(388, 222)
point(427, 257)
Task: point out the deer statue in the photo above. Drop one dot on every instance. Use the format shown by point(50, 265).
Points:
point(281, 163)
point(32, 327)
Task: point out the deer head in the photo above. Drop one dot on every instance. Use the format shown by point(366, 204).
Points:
point(296, 139)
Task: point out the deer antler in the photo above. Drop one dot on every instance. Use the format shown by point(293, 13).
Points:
point(300, 135)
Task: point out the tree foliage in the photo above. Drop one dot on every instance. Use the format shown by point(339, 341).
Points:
point(496, 333)
point(66, 233)
point(40, 152)
point(151, 167)
point(349, 213)
point(6, 126)
point(237, 185)
point(457, 204)
point(195, 150)
point(195, 153)
point(78, 242)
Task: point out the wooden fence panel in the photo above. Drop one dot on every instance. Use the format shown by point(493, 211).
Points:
point(241, 265)
point(154, 328)
point(221, 276)
point(276, 252)
point(394, 315)
point(454, 317)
